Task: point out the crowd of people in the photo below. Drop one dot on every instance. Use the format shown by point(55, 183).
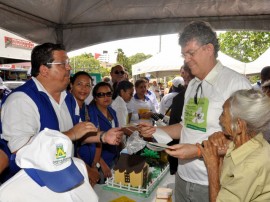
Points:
point(220, 127)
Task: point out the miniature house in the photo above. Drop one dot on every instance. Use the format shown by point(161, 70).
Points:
point(131, 169)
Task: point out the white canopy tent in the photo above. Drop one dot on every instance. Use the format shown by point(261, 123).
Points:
point(256, 66)
point(160, 65)
point(168, 64)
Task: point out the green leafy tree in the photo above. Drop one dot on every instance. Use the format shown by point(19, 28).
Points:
point(87, 62)
point(122, 59)
point(245, 46)
point(138, 57)
point(134, 59)
point(127, 62)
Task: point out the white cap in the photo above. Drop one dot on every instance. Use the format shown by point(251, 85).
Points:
point(47, 159)
point(178, 80)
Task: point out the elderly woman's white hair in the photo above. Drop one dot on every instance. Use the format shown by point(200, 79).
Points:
point(253, 107)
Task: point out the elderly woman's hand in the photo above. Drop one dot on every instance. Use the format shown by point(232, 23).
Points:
point(210, 155)
point(220, 141)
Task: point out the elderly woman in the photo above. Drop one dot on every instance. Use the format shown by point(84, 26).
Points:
point(245, 173)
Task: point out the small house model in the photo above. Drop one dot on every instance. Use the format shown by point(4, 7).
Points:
point(131, 169)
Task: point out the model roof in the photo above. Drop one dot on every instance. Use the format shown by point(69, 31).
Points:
point(130, 163)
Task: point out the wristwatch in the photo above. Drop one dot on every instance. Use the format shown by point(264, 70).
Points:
point(101, 136)
point(96, 165)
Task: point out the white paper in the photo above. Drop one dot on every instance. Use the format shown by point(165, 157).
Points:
point(161, 136)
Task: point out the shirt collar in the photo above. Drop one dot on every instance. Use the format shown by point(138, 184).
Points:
point(212, 75)
point(40, 87)
point(244, 150)
point(137, 98)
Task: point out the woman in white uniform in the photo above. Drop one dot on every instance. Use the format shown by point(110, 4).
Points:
point(140, 105)
point(122, 95)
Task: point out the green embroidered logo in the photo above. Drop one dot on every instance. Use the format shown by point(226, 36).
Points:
point(60, 153)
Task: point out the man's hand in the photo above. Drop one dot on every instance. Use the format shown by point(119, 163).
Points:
point(80, 129)
point(113, 136)
point(146, 129)
point(183, 151)
point(128, 130)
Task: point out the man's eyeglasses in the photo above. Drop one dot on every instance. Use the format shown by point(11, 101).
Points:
point(119, 72)
point(196, 95)
point(66, 63)
point(107, 94)
point(190, 54)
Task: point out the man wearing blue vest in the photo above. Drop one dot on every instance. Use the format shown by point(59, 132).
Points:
point(42, 102)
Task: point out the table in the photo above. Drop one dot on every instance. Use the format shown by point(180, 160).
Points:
point(106, 195)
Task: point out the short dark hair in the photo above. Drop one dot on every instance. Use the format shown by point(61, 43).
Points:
point(122, 85)
point(75, 76)
point(139, 82)
point(43, 54)
point(112, 69)
point(145, 78)
point(265, 74)
point(106, 79)
point(186, 68)
point(98, 85)
point(201, 32)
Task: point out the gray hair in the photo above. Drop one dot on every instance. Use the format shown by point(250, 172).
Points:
point(201, 32)
point(253, 107)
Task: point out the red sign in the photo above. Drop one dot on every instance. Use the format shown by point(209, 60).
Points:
point(18, 43)
point(97, 55)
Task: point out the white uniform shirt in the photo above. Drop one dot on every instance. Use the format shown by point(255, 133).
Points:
point(21, 120)
point(120, 106)
point(217, 87)
point(135, 105)
point(166, 102)
point(151, 95)
point(156, 90)
point(21, 188)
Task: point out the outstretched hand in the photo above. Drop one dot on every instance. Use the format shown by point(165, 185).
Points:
point(113, 136)
point(146, 129)
point(82, 128)
point(183, 151)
